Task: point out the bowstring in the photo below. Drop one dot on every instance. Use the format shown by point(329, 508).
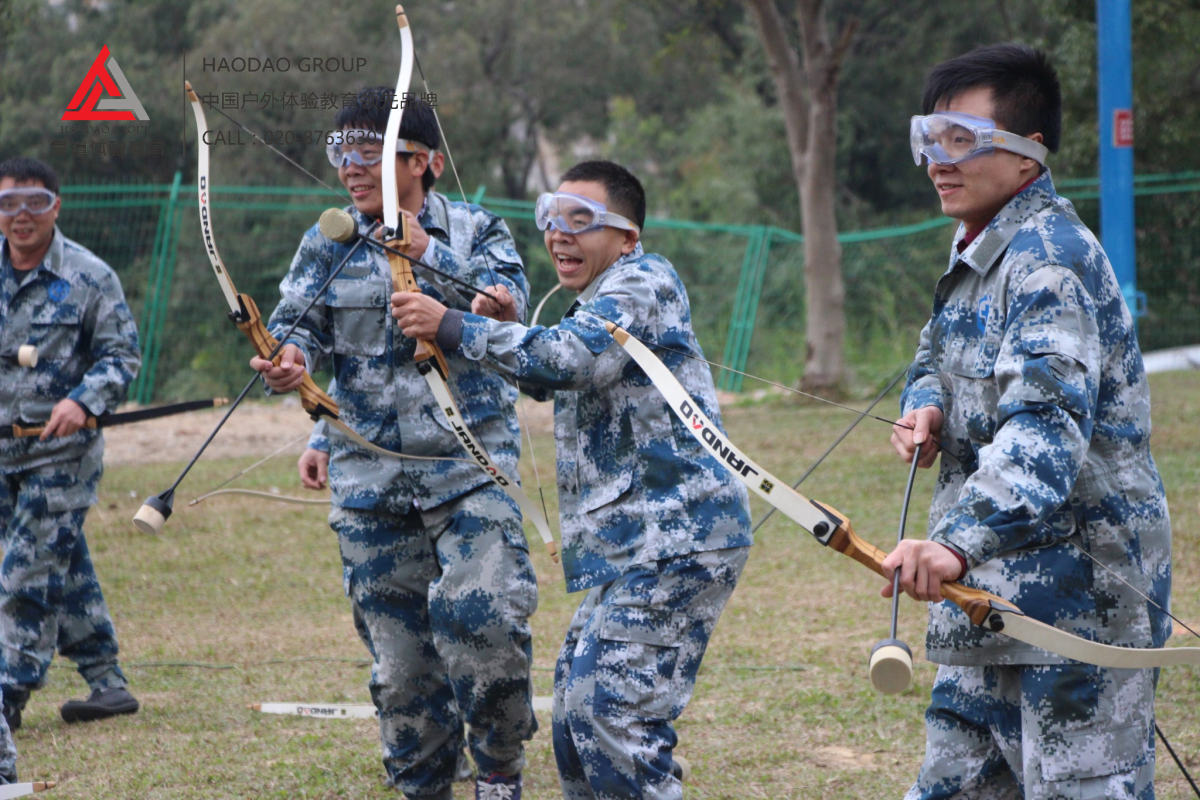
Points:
point(833, 446)
point(786, 388)
point(537, 475)
point(343, 195)
point(247, 470)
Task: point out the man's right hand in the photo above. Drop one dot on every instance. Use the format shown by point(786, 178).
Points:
point(314, 468)
point(922, 426)
point(285, 376)
point(505, 310)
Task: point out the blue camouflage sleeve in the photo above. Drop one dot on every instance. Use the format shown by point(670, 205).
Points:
point(112, 339)
point(1047, 379)
point(493, 260)
point(578, 352)
point(922, 387)
point(308, 271)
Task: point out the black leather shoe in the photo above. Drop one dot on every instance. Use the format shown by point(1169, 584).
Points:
point(101, 704)
point(14, 704)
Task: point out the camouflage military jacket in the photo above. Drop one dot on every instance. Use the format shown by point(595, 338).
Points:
point(72, 309)
point(633, 485)
point(376, 384)
point(1031, 354)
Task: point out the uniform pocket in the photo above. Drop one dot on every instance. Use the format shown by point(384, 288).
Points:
point(638, 663)
point(600, 492)
point(359, 309)
point(55, 330)
point(1081, 767)
point(977, 359)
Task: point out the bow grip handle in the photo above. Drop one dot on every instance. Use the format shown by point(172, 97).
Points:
point(312, 397)
point(404, 281)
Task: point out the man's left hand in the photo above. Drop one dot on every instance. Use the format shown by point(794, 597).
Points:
point(924, 566)
point(418, 239)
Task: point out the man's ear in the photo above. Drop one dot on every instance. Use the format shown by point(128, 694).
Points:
point(631, 240)
point(418, 162)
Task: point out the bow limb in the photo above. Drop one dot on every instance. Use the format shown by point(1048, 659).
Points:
point(431, 361)
point(242, 308)
point(832, 529)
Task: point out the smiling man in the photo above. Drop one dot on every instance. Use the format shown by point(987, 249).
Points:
point(1029, 375)
point(435, 561)
point(653, 527)
point(62, 299)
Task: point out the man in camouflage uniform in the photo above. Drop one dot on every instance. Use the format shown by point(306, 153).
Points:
point(653, 526)
point(436, 563)
point(1030, 378)
point(63, 300)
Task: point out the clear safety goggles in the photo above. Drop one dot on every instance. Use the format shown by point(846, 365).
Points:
point(363, 147)
point(951, 137)
point(35, 200)
point(572, 213)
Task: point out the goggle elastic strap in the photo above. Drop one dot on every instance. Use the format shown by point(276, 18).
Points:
point(1003, 140)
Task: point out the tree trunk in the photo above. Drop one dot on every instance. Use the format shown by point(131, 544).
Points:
point(808, 97)
point(825, 298)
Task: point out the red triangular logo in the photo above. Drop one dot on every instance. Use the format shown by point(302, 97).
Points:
point(104, 94)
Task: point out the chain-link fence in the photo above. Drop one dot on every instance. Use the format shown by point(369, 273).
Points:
point(745, 282)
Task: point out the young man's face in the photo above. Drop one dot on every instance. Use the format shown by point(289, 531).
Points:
point(365, 183)
point(580, 257)
point(28, 234)
point(974, 190)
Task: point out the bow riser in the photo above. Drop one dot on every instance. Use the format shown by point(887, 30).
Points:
point(403, 280)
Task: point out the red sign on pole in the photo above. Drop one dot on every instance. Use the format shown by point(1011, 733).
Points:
point(1123, 127)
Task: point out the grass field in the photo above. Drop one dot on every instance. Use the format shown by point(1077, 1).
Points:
point(240, 601)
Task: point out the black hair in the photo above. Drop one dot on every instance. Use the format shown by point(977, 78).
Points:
point(625, 193)
point(1024, 84)
point(370, 109)
point(22, 168)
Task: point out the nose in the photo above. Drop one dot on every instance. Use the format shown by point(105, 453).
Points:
point(933, 168)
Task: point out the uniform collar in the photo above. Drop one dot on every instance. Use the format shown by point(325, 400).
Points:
point(982, 251)
point(51, 261)
point(589, 292)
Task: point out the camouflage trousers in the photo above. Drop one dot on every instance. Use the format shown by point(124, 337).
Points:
point(8, 754)
point(50, 596)
point(442, 600)
point(1038, 732)
point(627, 670)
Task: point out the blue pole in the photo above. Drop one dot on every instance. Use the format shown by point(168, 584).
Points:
point(1115, 61)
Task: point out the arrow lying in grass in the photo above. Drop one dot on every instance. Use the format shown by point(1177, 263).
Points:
point(322, 710)
point(21, 789)
point(348, 710)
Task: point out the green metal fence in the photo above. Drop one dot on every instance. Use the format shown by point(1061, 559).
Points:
point(745, 282)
